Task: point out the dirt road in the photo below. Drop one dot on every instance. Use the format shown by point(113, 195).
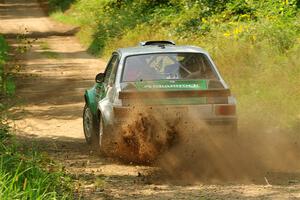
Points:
point(53, 76)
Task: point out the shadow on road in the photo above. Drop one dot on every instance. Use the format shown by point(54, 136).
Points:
point(19, 7)
point(37, 34)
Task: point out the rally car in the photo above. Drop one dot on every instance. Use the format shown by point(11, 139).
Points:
point(164, 77)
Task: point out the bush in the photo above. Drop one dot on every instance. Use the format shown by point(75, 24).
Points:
point(108, 20)
point(61, 5)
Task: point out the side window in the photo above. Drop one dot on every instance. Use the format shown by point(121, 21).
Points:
point(110, 69)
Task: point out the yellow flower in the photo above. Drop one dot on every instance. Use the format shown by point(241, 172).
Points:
point(227, 34)
point(204, 20)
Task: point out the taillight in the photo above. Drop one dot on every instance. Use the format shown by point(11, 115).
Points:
point(225, 109)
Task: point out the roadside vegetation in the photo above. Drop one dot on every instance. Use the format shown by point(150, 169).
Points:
point(7, 86)
point(24, 172)
point(256, 44)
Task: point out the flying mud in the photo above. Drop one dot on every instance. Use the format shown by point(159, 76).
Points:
point(144, 136)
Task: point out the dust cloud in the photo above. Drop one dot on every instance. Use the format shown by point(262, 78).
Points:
point(253, 156)
point(189, 150)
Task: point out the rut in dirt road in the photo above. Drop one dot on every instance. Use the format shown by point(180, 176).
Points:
point(53, 76)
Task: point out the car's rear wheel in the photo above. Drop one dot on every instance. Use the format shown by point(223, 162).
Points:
point(90, 128)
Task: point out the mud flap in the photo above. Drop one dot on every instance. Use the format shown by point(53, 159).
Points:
point(106, 109)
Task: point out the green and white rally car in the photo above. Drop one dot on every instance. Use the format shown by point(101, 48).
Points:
point(164, 77)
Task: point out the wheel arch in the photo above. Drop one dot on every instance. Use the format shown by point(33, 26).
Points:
point(88, 98)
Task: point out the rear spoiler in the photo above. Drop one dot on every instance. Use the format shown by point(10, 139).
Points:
point(174, 94)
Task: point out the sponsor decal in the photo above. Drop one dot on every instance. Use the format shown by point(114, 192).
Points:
point(172, 85)
point(165, 86)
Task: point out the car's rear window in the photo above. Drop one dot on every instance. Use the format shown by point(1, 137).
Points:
point(163, 66)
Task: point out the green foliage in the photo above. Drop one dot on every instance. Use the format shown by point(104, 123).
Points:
point(3, 59)
point(7, 86)
point(3, 50)
point(104, 20)
point(61, 5)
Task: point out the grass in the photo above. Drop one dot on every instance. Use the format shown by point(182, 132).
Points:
point(255, 44)
point(26, 174)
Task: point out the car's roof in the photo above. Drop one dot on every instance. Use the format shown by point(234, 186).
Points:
point(159, 49)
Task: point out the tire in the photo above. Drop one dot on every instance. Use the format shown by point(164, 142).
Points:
point(90, 126)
